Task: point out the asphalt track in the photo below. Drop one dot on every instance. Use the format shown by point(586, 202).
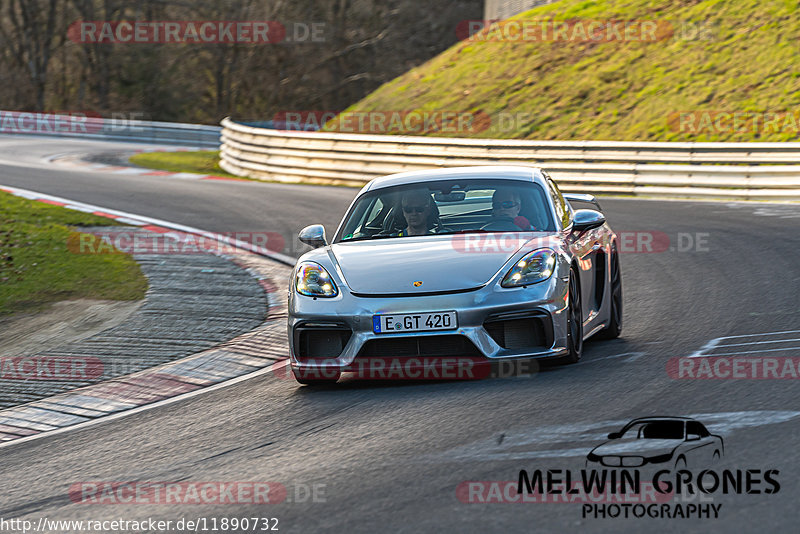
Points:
point(389, 456)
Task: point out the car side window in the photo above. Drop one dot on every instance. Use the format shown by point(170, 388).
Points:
point(562, 210)
point(693, 427)
point(374, 212)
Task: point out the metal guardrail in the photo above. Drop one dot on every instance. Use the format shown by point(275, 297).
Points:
point(81, 126)
point(694, 170)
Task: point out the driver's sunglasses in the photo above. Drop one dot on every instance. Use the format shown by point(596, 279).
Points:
point(412, 209)
point(508, 204)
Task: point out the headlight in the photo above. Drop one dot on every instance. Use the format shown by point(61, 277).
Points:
point(537, 266)
point(312, 280)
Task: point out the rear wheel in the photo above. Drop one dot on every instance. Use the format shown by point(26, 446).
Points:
point(574, 323)
point(614, 327)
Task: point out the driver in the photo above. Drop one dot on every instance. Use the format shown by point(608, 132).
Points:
point(418, 211)
point(506, 204)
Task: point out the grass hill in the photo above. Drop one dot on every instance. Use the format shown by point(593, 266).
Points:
point(711, 56)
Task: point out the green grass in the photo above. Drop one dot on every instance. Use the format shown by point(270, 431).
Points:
point(37, 268)
point(743, 59)
point(201, 162)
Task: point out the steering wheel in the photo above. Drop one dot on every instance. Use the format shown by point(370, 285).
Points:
point(501, 224)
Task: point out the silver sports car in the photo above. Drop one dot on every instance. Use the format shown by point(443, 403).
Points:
point(481, 263)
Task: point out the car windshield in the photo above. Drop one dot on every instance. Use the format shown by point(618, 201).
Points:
point(655, 430)
point(448, 207)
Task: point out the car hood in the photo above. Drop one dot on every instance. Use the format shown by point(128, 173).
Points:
point(637, 447)
point(441, 263)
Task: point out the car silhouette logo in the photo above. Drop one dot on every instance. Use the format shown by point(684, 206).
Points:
point(673, 442)
point(418, 283)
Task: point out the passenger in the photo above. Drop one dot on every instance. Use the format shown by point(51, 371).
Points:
point(506, 204)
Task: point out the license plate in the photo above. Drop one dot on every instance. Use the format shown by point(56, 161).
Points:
point(414, 322)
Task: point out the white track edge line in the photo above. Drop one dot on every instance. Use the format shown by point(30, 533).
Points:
point(139, 409)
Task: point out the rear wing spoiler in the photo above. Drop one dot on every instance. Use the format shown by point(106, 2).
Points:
point(582, 197)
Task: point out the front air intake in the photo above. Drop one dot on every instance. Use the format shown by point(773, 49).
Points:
point(320, 341)
point(532, 332)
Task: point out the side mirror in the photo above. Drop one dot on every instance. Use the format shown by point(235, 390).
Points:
point(614, 435)
point(587, 219)
point(313, 235)
point(692, 437)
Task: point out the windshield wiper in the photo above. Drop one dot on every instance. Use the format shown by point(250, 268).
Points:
point(457, 232)
point(476, 231)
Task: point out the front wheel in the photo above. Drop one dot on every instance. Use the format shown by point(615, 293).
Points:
point(574, 323)
point(614, 328)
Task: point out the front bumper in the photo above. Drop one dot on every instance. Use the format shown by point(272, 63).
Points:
point(351, 316)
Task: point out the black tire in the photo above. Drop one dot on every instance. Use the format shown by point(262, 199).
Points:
point(574, 323)
point(614, 328)
point(307, 379)
point(680, 463)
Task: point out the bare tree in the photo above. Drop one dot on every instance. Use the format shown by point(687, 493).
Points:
point(95, 58)
point(32, 30)
point(366, 43)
